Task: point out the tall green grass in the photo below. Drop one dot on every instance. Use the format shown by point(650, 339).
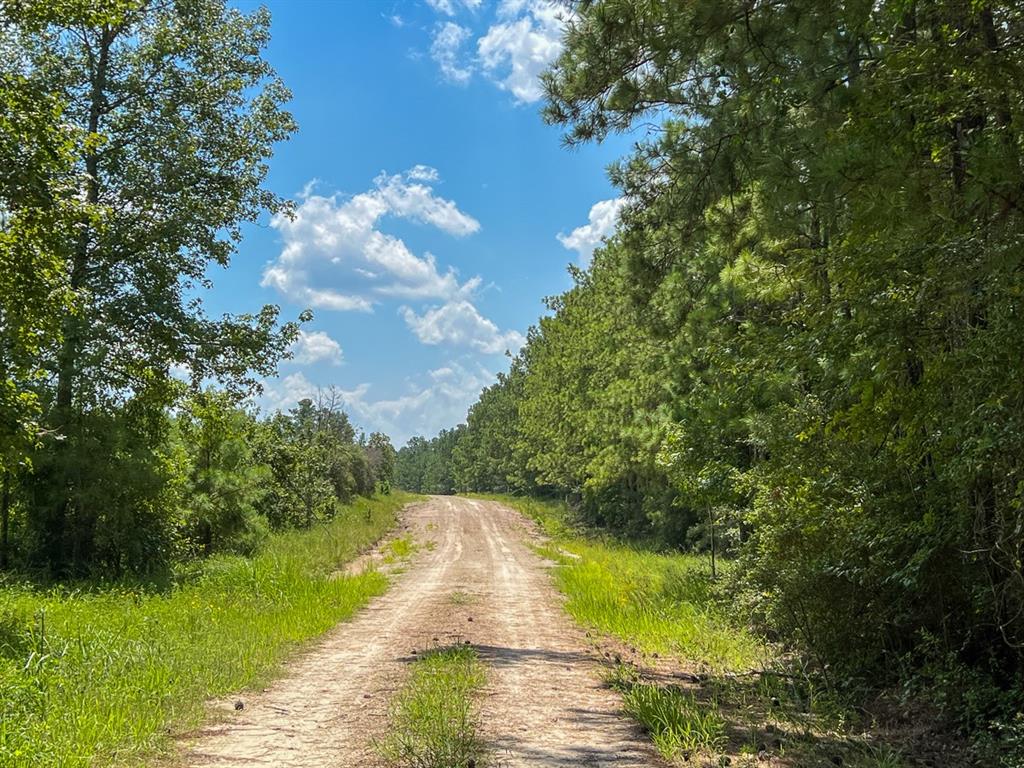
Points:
point(101, 675)
point(668, 604)
point(679, 725)
point(658, 603)
point(432, 721)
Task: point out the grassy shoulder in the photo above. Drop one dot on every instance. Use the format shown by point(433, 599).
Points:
point(657, 603)
point(707, 689)
point(432, 722)
point(102, 676)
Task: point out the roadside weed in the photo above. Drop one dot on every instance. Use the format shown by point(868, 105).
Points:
point(401, 548)
point(432, 719)
point(677, 722)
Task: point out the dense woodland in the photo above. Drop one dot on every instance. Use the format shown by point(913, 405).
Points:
point(134, 139)
point(803, 346)
point(806, 336)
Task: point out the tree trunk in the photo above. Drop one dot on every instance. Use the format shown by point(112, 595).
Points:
point(70, 348)
point(5, 522)
point(73, 325)
point(711, 524)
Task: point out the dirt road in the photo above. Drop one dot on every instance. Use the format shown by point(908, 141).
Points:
point(478, 581)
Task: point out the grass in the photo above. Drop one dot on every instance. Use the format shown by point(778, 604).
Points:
point(401, 548)
point(432, 719)
point(103, 676)
point(666, 605)
point(658, 603)
point(679, 725)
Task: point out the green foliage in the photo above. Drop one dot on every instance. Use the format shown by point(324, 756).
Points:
point(315, 463)
point(381, 457)
point(657, 603)
point(114, 490)
point(133, 142)
point(679, 725)
point(425, 466)
point(432, 722)
point(102, 672)
point(225, 485)
point(485, 456)
point(826, 240)
point(805, 336)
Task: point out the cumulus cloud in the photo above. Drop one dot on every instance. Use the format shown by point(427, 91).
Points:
point(438, 403)
point(604, 215)
point(524, 38)
point(336, 257)
point(521, 45)
point(314, 346)
point(284, 393)
point(448, 7)
point(437, 400)
point(460, 324)
point(423, 173)
point(446, 49)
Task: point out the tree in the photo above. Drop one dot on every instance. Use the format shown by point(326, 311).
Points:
point(37, 211)
point(225, 484)
point(825, 233)
point(315, 462)
point(174, 114)
point(381, 455)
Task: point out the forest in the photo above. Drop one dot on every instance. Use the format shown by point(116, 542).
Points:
point(801, 353)
point(134, 141)
point(803, 347)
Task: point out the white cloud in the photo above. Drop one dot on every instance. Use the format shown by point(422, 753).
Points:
point(284, 393)
point(459, 323)
point(439, 400)
point(447, 7)
point(426, 409)
point(604, 215)
point(423, 173)
point(445, 51)
point(313, 346)
point(409, 196)
point(523, 40)
point(336, 257)
point(521, 45)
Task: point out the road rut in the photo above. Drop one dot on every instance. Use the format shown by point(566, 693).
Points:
point(478, 581)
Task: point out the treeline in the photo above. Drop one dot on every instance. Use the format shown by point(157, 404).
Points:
point(210, 476)
point(807, 330)
point(134, 138)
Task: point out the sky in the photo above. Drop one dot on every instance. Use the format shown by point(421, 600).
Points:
point(434, 209)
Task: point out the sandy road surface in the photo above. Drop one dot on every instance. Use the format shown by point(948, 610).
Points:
point(543, 706)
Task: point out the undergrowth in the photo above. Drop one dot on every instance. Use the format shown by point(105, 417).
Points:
point(679, 725)
point(432, 720)
point(743, 701)
point(99, 674)
point(659, 603)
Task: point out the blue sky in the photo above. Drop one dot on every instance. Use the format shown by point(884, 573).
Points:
point(434, 209)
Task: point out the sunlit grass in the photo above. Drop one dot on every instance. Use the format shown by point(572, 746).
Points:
point(678, 724)
point(401, 548)
point(98, 677)
point(432, 721)
point(658, 603)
